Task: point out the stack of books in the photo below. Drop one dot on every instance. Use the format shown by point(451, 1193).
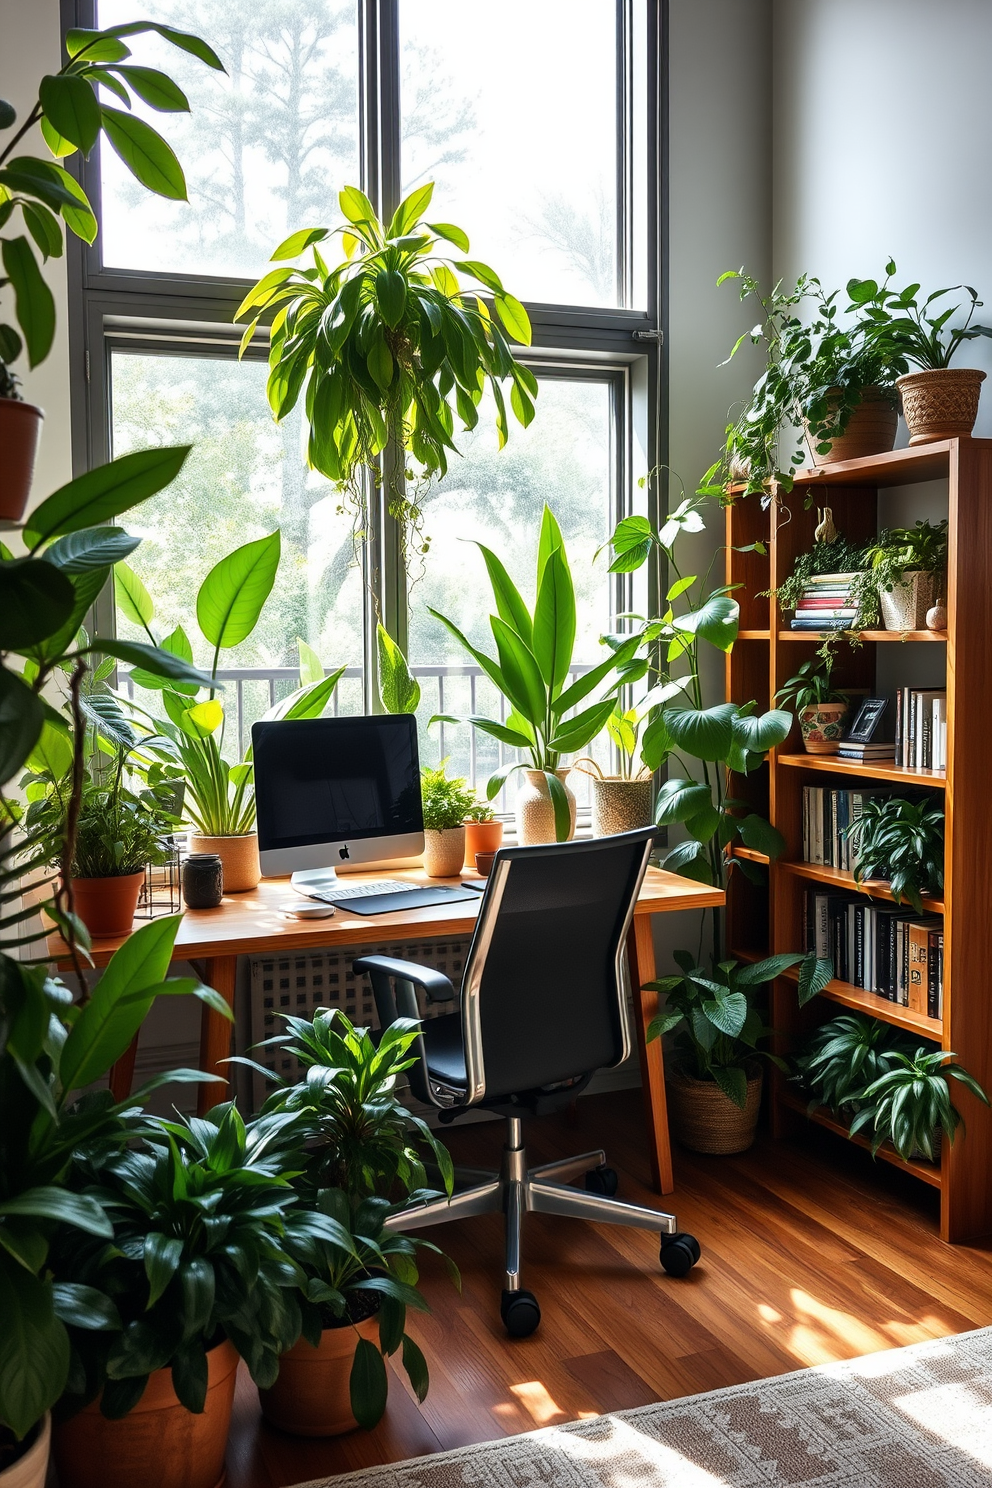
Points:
point(826, 603)
point(867, 738)
point(921, 728)
point(826, 816)
point(882, 948)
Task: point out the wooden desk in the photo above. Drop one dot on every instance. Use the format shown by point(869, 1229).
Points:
point(256, 924)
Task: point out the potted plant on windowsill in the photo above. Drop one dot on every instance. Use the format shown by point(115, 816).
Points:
point(531, 670)
point(939, 401)
point(820, 707)
point(831, 381)
point(483, 831)
point(219, 797)
point(625, 801)
point(72, 114)
point(390, 348)
point(445, 803)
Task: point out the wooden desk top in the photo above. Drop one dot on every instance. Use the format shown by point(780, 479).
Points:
point(256, 923)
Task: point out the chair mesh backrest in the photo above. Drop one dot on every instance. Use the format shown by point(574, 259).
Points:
point(549, 1004)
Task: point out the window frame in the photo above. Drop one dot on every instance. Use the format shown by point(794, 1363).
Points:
point(181, 314)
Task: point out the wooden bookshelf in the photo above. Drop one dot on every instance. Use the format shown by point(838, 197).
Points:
point(763, 919)
point(925, 1171)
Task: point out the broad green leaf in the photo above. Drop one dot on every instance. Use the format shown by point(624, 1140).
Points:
point(94, 46)
point(311, 666)
point(145, 153)
point(208, 716)
point(162, 1255)
point(514, 317)
point(525, 686)
point(451, 234)
point(399, 690)
point(104, 492)
point(34, 1348)
point(153, 659)
point(728, 1013)
point(715, 621)
point(85, 1307)
point(758, 972)
point(52, 753)
point(107, 1023)
point(35, 600)
point(70, 103)
point(91, 548)
point(355, 205)
point(690, 860)
point(584, 685)
point(764, 732)
point(680, 799)
point(177, 644)
point(554, 621)
point(78, 1210)
point(759, 834)
point(133, 599)
point(22, 715)
point(369, 1384)
point(33, 300)
point(509, 602)
point(44, 227)
point(233, 593)
point(656, 743)
point(704, 823)
point(814, 974)
point(297, 243)
point(416, 1367)
point(706, 733)
point(184, 40)
point(733, 1082)
point(156, 89)
point(305, 702)
point(504, 732)
point(390, 294)
point(57, 143)
point(549, 539)
point(631, 542)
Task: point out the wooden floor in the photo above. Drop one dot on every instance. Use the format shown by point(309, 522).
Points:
point(811, 1253)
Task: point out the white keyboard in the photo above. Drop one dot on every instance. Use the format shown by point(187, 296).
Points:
point(359, 891)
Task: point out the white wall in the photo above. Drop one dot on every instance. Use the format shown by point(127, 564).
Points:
point(882, 144)
point(31, 47)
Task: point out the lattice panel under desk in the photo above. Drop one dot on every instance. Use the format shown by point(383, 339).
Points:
point(300, 984)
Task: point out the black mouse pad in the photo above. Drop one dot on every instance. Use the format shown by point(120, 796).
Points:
point(373, 904)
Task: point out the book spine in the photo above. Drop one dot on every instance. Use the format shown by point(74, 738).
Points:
point(839, 958)
point(859, 944)
point(911, 738)
point(899, 726)
point(918, 989)
point(934, 939)
point(940, 973)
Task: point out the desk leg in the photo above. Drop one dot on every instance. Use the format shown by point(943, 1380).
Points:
point(220, 973)
point(640, 954)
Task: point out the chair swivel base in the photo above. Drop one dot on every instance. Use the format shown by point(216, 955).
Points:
point(515, 1189)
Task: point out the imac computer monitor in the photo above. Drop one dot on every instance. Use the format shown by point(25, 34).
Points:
point(334, 794)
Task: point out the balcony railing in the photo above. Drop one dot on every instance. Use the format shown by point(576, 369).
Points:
point(457, 689)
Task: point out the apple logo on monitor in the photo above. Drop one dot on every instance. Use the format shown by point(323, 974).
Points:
point(343, 852)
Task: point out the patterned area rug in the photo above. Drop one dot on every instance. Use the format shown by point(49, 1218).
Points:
point(918, 1417)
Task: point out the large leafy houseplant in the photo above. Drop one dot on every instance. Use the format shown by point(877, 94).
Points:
point(903, 842)
point(891, 558)
point(50, 1050)
point(905, 332)
point(910, 1102)
point(360, 1138)
point(390, 348)
point(73, 111)
point(534, 657)
point(219, 798)
point(817, 372)
point(845, 1055)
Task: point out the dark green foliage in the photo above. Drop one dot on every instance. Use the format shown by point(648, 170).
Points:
point(839, 556)
point(901, 841)
point(846, 1054)
point(811, 685)
point(911, 1100)
point(898, 329)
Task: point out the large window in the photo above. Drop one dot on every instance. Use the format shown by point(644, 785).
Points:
point(536, 125)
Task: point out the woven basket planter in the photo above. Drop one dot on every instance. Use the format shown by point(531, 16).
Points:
point(703, 1119)
point(871, 429)
point(621, 806)
point(940, 404)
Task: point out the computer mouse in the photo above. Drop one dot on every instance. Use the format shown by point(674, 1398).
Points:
point(309, 911)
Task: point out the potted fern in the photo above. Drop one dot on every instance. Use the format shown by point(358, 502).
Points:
point(445, 802)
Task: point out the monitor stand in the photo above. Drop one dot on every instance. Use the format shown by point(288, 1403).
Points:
point(308, 880)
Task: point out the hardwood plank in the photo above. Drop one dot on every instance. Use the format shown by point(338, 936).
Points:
point(610, 1381)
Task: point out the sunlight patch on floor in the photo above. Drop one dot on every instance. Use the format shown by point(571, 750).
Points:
point(822, 1334)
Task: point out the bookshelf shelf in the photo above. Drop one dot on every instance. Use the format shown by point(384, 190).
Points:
point(926, 1172)
point(774, 917)
point(866, 635)
point(753, 635)
point(861, 1001)
point(873, 770)
point(751, 854)
point(839, 878)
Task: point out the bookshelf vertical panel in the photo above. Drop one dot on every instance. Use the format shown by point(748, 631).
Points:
point(967, 1206)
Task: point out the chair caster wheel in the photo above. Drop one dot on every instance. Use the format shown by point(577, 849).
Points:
point(520, 1313)
point(679, 1253)
point(602, 1180)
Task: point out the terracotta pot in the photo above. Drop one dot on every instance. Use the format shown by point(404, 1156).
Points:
point(940, 404)
point(107, 906)
point(444, 852)
point(238, 856)
point(482, 837)
point(534, 812)
point(160, 1442)
point(871, 429)
point(905, 605)
point(704, 1119)
point(484, 863)
point(822, 725)
point(621, 806)
point(31, 1468)
point(20, 431)
point(312, 1396)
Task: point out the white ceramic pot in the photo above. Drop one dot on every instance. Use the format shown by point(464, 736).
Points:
point(535, 812)
point(444, 852)
point(238, 856)
point(31, 1470)
point(905, 605)
point(621, 806)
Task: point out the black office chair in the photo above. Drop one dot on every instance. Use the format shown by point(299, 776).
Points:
point(543, 1007)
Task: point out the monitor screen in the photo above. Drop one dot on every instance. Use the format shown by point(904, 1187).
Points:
point(336, 779)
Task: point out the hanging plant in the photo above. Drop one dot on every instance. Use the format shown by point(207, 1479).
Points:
point(390, 349)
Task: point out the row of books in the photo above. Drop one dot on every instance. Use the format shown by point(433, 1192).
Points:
point(921, 728)
point(827, 815)
point(882, 948)
point(826, 603)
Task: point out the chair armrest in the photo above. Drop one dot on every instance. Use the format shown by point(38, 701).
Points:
point(436, 985)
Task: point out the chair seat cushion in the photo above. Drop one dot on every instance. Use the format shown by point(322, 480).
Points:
point(445, 1052)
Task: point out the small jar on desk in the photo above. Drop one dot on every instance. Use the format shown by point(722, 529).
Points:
point(203, 881)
